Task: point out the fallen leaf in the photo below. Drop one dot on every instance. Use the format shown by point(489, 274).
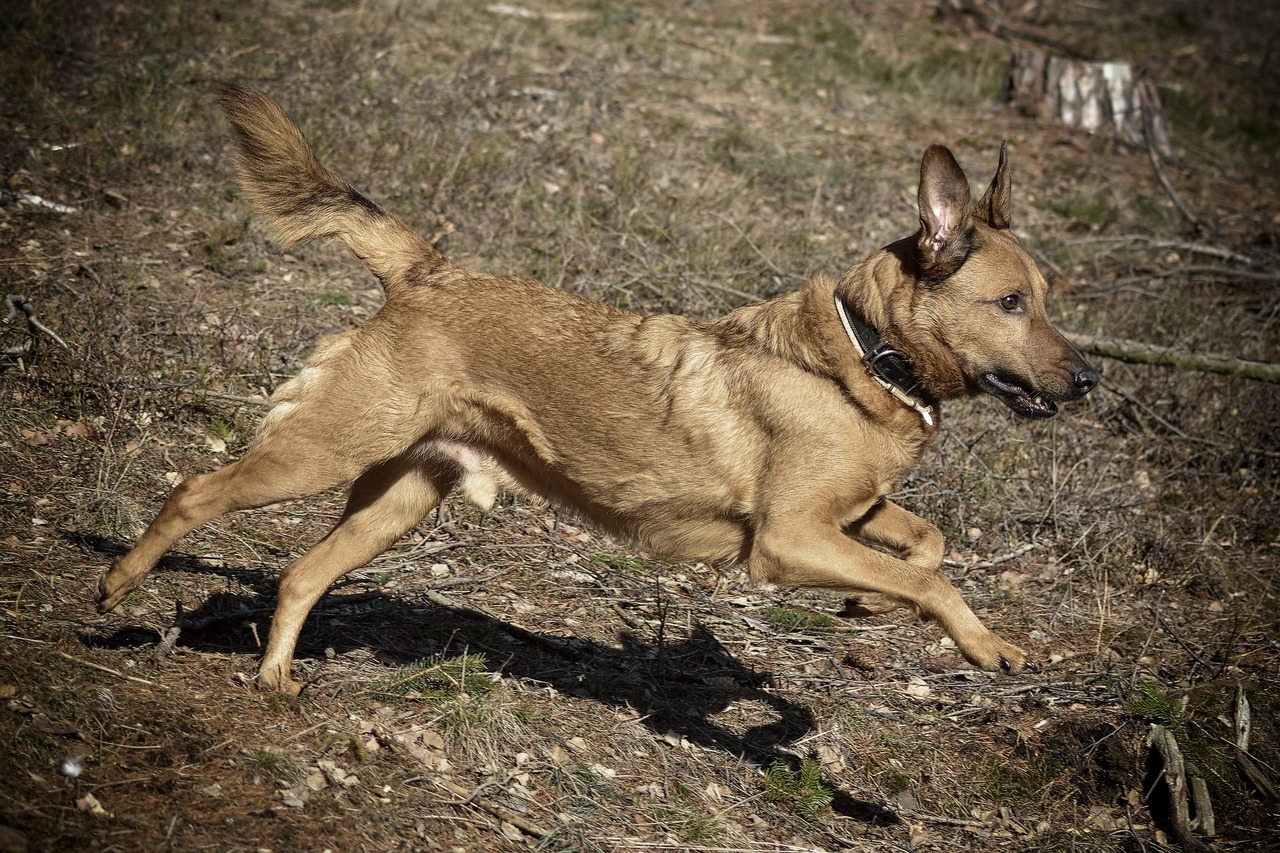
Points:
point(1013, 579)
point(35, 438)
point(89, 803)
point(918, 688)
point(41, 723)
point(79, 429)
point(830, 758)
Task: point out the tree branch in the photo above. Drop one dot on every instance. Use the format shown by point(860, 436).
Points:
point(1137, 352)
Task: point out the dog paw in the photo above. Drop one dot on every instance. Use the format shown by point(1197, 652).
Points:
point(992, 653)
point(273, 681)
point(111, 591)
point(867, 604)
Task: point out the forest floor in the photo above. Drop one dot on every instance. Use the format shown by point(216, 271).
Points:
point(512, 679)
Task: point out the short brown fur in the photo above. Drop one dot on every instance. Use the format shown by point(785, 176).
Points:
point(759, 437)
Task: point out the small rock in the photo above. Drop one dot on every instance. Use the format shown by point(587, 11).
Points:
point(919, 689)
point(294, 798)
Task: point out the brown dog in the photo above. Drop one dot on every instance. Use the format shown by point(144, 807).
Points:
point(771, 435)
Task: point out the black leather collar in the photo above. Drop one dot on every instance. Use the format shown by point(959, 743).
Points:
point(887, 366)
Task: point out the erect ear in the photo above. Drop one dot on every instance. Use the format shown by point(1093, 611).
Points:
point(994, 207)
point(946, 226)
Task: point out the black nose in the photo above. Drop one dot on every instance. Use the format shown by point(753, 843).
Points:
point(1085, 380)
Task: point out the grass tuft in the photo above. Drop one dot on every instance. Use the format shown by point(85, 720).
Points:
point(791, 619)
point(437, 680)
point(800, 788)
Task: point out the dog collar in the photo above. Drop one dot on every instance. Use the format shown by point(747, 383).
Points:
point(887, 366)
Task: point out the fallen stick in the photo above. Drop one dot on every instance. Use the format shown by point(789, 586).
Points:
point(1248, 769)
point(1137, 352)
point(1174, 775)
point(107, 669)
point(14, 304)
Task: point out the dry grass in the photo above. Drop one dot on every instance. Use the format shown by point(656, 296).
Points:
point(659, 156)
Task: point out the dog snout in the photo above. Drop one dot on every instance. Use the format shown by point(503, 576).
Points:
point(1085, 379)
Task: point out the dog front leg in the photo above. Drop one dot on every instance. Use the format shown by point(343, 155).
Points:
point(808, 552)
point(910, 537)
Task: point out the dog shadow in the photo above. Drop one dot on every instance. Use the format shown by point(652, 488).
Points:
point(677, 687)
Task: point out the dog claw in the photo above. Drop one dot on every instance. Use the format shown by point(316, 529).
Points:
point(1004, 664)
point(1031, 666)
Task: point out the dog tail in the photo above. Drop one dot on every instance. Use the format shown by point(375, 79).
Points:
point(300, 200)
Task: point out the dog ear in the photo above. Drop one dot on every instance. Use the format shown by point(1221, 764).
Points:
point(946, 225)
point(994, 207)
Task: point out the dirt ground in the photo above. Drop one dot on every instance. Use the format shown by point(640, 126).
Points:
point(512, 680)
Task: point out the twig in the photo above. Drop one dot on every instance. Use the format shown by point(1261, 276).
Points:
point(741, 294)
point(1209, 442)
point(1136, 352)
point(1159, 169)
point(525, 826)
point(13, 304)
point(170, 638)
point(1198, 249)
point(519, 633)
point(1195, 655)
point(743, 234)
point(108, 669)
point(993, 561)
point(944, 821)
point(36, 201)
point(997, 27)
point(222, 395)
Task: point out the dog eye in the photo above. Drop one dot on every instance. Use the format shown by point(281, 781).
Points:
point(1011, 303)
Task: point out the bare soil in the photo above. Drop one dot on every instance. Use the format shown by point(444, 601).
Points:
point(662, 156)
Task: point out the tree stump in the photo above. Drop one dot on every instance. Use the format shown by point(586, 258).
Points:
point(1099, 97)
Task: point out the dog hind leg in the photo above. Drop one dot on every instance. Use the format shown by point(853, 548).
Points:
point(295, 454)
point(385, 503)
point(269, 473)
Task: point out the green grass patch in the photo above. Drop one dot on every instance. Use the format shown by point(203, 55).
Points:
point(691, 825)
point(832, 51)
point(436, 680)
point(333, 299)
point(792, 619)
point(624, 563)
point(799, 786)
point(1023, 783)
point(1094, 209)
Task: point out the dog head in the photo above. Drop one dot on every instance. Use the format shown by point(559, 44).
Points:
point(978, 319)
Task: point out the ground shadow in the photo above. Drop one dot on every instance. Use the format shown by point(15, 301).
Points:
point(676, 687)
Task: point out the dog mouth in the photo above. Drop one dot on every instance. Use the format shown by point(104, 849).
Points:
point(1024, 401)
